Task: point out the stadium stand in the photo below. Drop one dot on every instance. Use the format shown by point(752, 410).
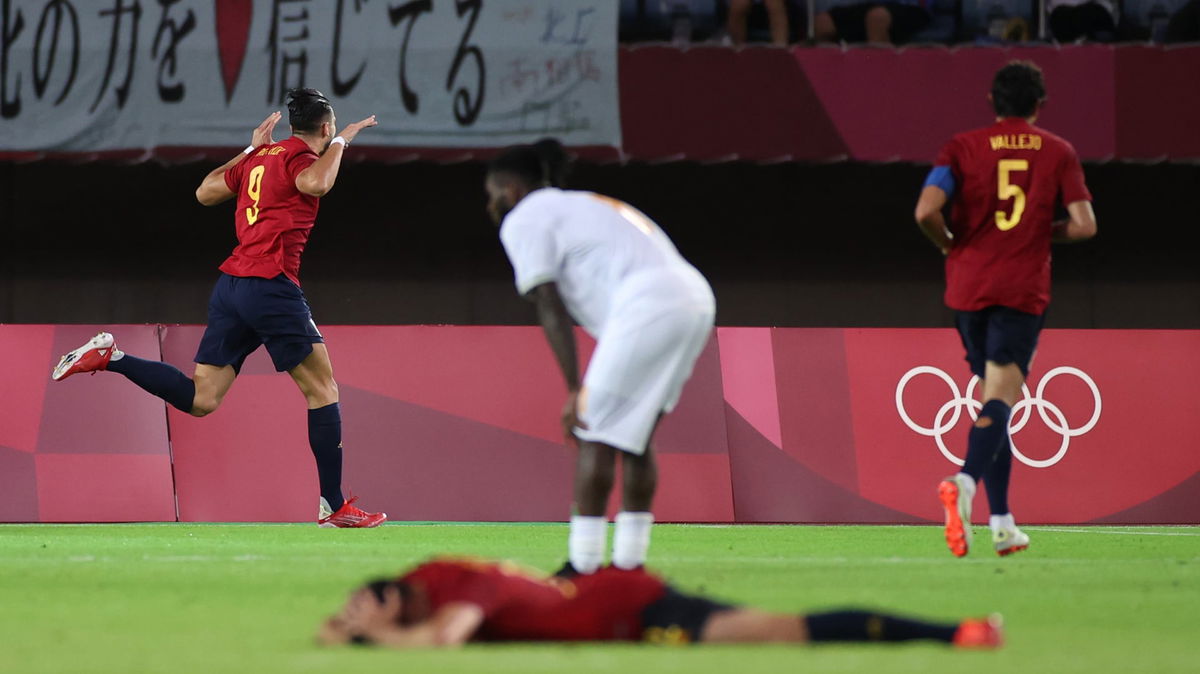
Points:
point(995, 21)
point(680, 21)
point(1147, 19)
point(943, 24)
point(684, 22)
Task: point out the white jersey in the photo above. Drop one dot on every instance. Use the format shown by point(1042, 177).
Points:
point(607, 258)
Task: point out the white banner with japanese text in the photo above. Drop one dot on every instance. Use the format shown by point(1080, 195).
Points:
point(109, 75)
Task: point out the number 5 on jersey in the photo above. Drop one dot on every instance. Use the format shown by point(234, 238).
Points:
point(254, 191)
point(1006, 190)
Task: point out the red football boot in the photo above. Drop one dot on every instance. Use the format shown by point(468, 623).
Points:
point(982, 633)
point(351, 517)
point(91, 357)
point(955, 493)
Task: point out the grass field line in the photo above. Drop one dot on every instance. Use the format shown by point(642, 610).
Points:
point(246, 599)
point(1125, 529)
point(1112, 532)
point(661, 559)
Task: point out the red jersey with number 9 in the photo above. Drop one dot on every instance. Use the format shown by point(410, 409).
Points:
point(519, 605)
point(273, 218)
point(1009, 176)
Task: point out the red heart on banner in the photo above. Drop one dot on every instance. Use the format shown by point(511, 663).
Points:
point(233, 34)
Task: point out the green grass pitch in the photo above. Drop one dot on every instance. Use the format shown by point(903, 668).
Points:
point(247, 598)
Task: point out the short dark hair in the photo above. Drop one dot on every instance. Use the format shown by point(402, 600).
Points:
point(308, 109)
point(1018, 89)
point(543, 163)
point(378, 587)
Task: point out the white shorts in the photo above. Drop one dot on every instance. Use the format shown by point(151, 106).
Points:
point(637, 373)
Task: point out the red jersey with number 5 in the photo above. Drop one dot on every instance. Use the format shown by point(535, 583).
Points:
point(273, 217)
point(526, 606)
point(1009, 178)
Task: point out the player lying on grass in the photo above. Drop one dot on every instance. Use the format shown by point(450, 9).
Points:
point(448, 602)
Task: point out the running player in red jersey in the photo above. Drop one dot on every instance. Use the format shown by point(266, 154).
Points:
point(257, 299)
point(1004, 182)
point(448, 602)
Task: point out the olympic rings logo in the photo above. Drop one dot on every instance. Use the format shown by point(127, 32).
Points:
point(948, 416)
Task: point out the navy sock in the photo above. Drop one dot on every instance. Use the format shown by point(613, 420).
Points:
point(161, 379)
point(869, 626)
point(325, 438)
point(983, 443)
point(995, 481)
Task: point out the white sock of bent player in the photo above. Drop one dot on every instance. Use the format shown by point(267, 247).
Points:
point(969, 482)
point(585, 545)
point(1005, 521)
point(632, 539)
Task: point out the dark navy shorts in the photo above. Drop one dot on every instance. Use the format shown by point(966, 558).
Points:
point(678, 618)
point(246, 312)
point(1000, 334)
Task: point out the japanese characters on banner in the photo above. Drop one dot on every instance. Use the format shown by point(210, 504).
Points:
point(101, 75)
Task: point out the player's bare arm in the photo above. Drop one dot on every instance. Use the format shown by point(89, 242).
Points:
point(213, 189)
point(557, 325)
point(930, 219)
point(365, 619)
point(318, 179)
point(1080, 226)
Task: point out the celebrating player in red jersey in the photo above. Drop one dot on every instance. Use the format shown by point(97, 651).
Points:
point(1005, 181)
point(447, 602)
point(257, 300)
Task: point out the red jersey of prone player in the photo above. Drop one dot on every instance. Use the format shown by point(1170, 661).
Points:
point(1005, 181)
point(273, 217)
point(448, 602)
point(522, 606)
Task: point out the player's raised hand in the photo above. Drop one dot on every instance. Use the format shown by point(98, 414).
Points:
point(352, 130)
point(333, 632)
point(262, 135)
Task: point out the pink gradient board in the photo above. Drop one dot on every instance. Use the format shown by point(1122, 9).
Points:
point(1135, 450)
point(828, 104)
point(1104, 439)
point(460, 423)
point(446, 423)
point(85, 449)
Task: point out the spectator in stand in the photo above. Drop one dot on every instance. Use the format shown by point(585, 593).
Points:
point(739, 18)
point(1185, 24)
point(1083, 20)
point(879, 23)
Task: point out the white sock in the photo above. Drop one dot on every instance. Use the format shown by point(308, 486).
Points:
point(969, 483)
point(117, 354)
point(585, 545)
point(1005, 521)
point(632, 539)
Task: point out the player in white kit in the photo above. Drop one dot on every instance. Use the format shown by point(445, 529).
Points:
point(614, 270)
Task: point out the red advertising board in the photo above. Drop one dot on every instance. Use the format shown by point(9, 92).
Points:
point(1098, 430)
point(439, 423)
point(877, 417)
point(868, 104)
point(87, 449)
point(460, 423)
